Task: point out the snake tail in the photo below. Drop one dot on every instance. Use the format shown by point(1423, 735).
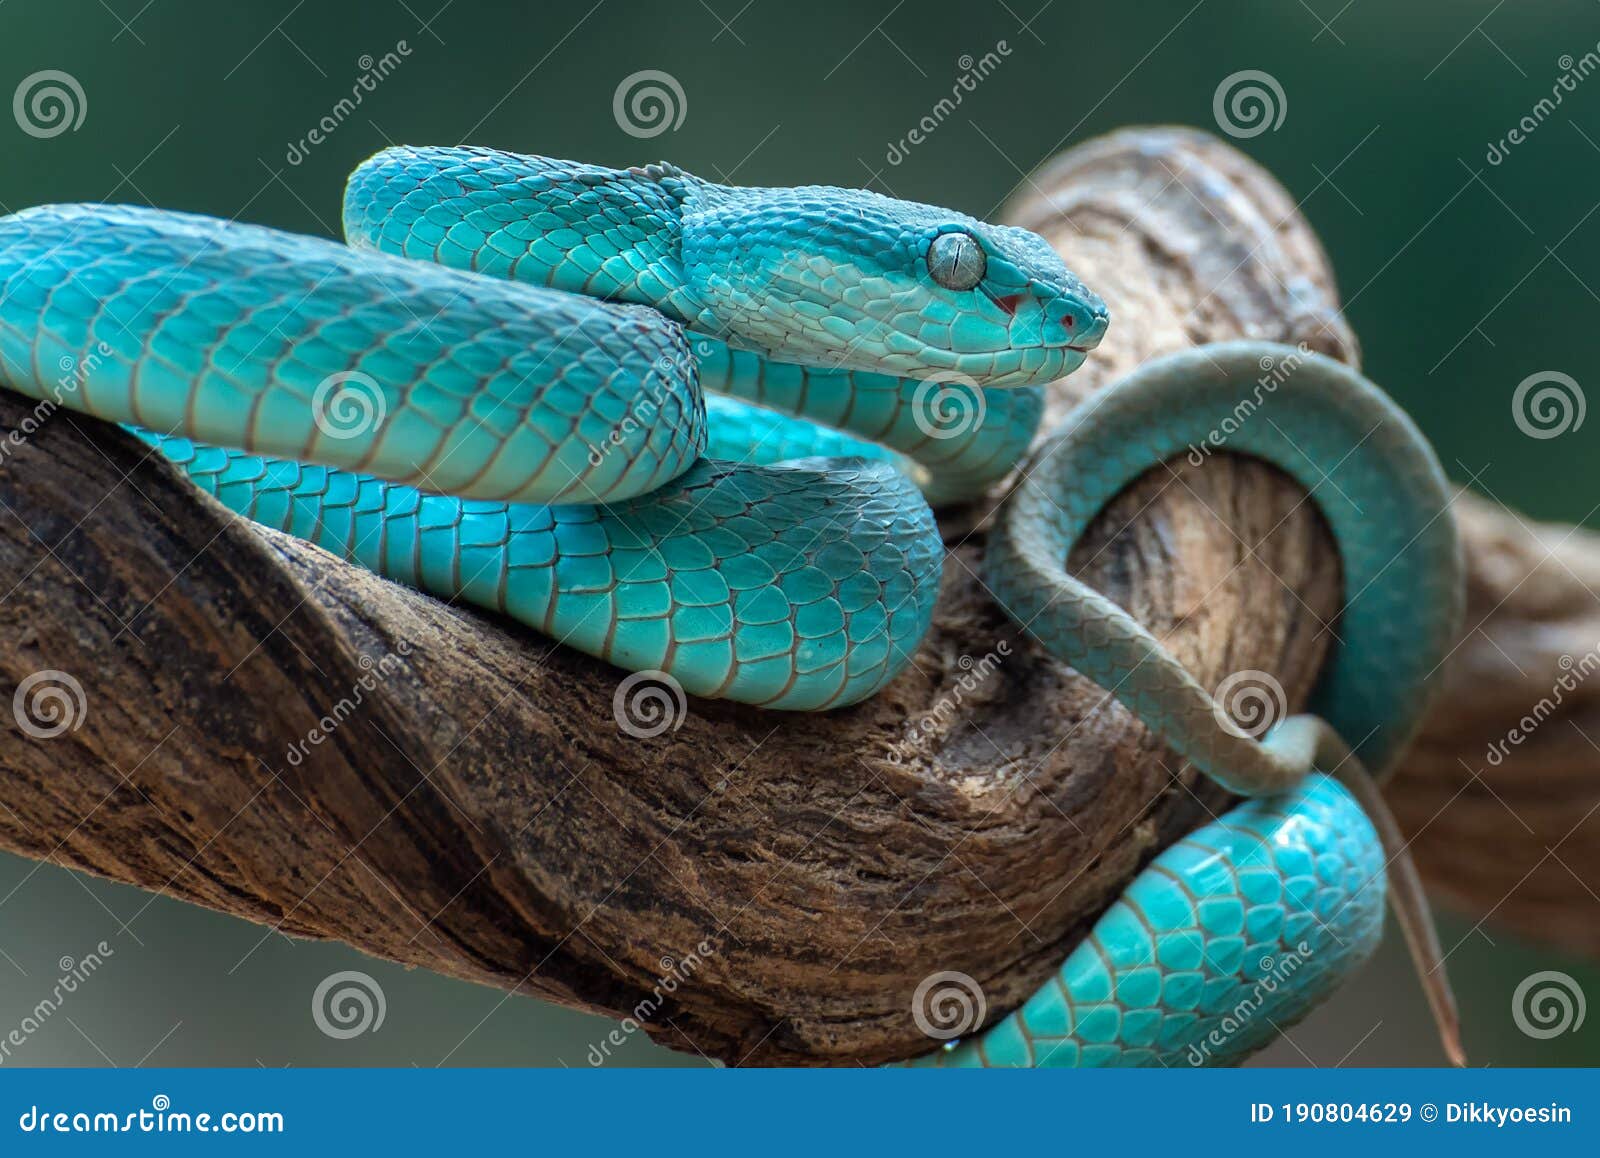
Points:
point(1410, 904)
point(1381, 490)
point(505, 404)
point(1385, 499)
point(1310, 742)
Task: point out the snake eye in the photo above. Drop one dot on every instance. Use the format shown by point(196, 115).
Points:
point(957, 261)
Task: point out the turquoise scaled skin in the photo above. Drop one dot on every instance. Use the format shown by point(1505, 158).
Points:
point(1230, 936)
point(495, 392)
point(1173, 971)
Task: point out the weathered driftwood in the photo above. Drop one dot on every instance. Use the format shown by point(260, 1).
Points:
point(476, 809)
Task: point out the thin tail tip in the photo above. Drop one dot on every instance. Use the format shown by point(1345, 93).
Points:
point(1446, 1015)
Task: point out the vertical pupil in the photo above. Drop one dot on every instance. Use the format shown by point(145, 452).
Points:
point(959, 259)
point(956, 261)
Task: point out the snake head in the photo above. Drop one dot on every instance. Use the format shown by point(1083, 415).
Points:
point(849, 279)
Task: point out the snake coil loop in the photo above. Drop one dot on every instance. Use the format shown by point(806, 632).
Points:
point(496, 392)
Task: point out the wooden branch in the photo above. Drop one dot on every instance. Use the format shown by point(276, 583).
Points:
point(1502, 791)
point(272, 733)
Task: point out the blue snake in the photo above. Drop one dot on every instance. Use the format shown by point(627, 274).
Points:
point(496, 391)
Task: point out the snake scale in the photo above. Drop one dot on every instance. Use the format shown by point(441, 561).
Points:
point(497, 391)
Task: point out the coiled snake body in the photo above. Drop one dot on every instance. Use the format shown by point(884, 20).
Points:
point(517, 419)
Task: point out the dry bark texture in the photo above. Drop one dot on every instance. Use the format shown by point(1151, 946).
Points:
point(1502, 791)
point(480, 812)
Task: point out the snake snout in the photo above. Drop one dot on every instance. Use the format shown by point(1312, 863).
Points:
point(1082, 323)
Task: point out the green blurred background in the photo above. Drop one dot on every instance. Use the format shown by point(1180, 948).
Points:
point(1462, 279)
